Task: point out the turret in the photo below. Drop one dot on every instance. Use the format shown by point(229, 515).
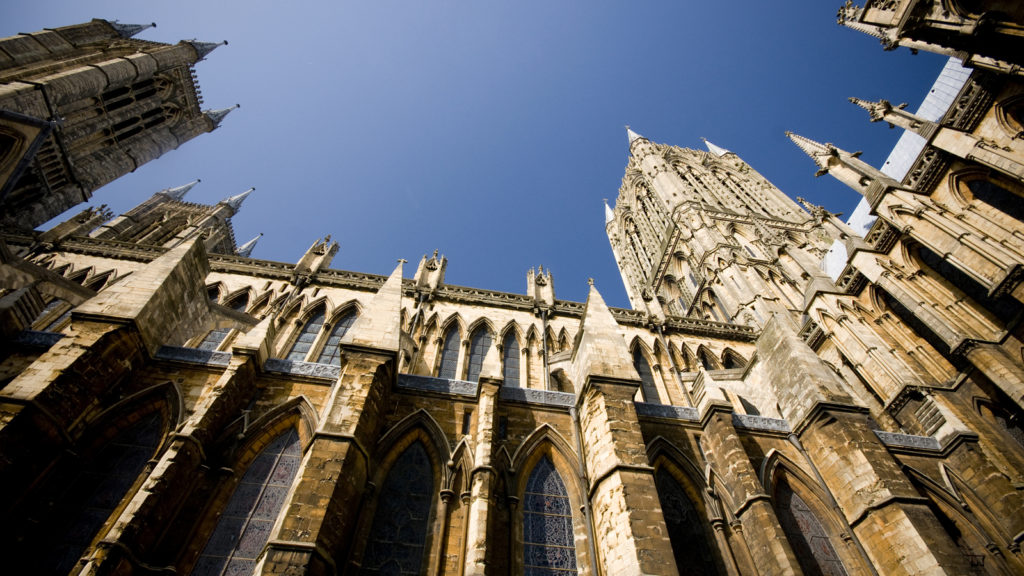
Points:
point(541, 288)
point(883, 111)
point(846, 167)
point(430, 273)
point(318, 257)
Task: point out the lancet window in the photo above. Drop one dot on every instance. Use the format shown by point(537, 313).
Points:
point(480, 343)
point(647, 387)
point(685, 528)
point(244, 526)
point(331, 354)
point(510, 359)
point(449, 353)
point(398, 536)
point(806, 535)
point(548, 543)
point(307, 336)
point(997, 197)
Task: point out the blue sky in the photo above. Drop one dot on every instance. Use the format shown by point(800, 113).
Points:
point(491, 131)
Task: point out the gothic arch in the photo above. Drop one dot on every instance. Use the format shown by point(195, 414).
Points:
point(783, 479)
point(482, 321)
point(98, 281)
point(79, 276)
point(707, 358)
point(246, 292)
point(732, 359)
point(422, 423)
point(463, 460)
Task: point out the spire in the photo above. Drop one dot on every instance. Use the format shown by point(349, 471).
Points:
point(204, 48)
point(608, 214)
point(245, 250)
point(178, 192)
point(378, 326)
point(818, 152)
point(633, 136)
point(716, 150)
point(216, 116)
point(235, 202)
point(129, 30)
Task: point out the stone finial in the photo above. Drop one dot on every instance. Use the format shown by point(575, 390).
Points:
point(716, 150)
point(245, 250)
point(235, 202)
point(609, 215)
point(178, 192)
point(540, 286)
point(430, 272)
point(129, 30)
point(601, 350)
point(379, 327)
point(217, 116)
point(204, 48)
point(818, 152)
point(633, 136)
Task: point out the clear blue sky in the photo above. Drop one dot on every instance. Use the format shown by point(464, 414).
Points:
point(492, 132)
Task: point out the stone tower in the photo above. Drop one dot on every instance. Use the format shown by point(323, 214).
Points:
point(82, 105)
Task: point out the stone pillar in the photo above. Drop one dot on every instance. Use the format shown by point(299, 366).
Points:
point(723, 449)
point(886, 513)
point(629, 529)
point(482, 481)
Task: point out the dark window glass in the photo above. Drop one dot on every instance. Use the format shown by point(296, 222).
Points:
point(510, 355)
point(214, 338)
point(307, 336)
point(548, 544)
point(685, 528)
point(810, 543)
point(398, 537)
point(647, 387)
point(91, 496)
point(449, 353)
point(331, 353)
point(480, 343)
point(998, 197)
point(244, 527)
point(1003, 307)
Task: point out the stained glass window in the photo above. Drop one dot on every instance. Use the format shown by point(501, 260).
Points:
point(244, 527)
point(647, 387)
point(398, 537)
point(480, 343)
point(548, 543)
point(810, 543)
point(331, 354)
point(307, 336)
point(510, 353)
point(685, 528)
point(91, 496)
point(449, 353)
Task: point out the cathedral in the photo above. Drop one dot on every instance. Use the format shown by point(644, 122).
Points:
point(790, 393)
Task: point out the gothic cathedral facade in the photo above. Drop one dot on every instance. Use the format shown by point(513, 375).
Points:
point(788, 394)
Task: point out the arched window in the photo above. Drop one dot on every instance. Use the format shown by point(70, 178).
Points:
point(997, 197)
point(331, 354)
point(510, 359)
point(705, 359)
point(805, 533)
point(480, 343)
point(449, 353)
point(685, 527)
point(307, 336)
point(398, 537)
point(244, 526)
point(548, 543)
point(92, 495)
point(647, 386)
point(215, 337)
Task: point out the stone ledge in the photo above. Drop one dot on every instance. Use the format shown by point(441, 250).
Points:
point(440, 385)
point(666, 411)
point(896, 440)
point(532, 396)
point(760, 423)
point(193, 355)
point(36, 339)
point(310, 369)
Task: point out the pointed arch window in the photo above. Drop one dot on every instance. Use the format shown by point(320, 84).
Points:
point(92, 495)
point(449, 353)
point(480, 343)
point(805, 533)
point(998, 197)
point(244, 527)
point(705, 359)
point(331, 354)
point(398, 536)
point(685, 528)
point(510, 357)
point(307, 336)
point(647, 387)
point(548, 543)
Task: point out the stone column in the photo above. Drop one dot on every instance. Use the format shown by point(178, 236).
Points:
point(482, 481)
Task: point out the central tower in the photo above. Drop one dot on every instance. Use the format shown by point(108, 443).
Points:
point(701, 234)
